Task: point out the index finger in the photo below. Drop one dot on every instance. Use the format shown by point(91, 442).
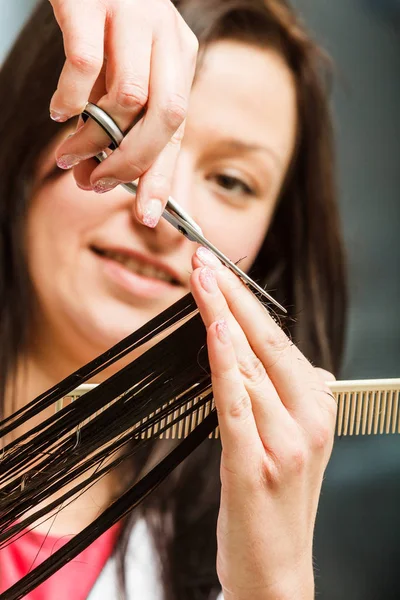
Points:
point(83, 35)
point(291, 373)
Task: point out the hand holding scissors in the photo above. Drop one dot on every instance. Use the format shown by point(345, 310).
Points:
point(125, 56)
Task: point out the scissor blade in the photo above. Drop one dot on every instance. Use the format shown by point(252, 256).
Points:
point(187, 230)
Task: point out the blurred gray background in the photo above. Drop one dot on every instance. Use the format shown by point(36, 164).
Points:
point(357, 542)
point(357, 545)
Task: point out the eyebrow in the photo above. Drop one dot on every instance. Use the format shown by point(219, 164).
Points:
point(240, 145)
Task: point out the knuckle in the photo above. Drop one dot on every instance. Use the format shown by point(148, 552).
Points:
point(293, 460)
point(238, 408)
point(296, 460)
point(85, 62)
point(131, 95)
point(131, 162)
point(288, 463)
point(133, 167)
point(252, 368)
point(276, 341)
point(321, 437)
point(174, 111)
point(93, 145)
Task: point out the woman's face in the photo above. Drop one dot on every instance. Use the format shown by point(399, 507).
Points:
point(99, 274)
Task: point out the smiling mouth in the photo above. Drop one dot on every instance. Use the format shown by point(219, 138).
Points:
point(136, 266)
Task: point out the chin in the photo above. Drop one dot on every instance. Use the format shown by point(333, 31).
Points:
point(107, 328)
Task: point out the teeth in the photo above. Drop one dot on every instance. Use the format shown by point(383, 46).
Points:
point(137, 267)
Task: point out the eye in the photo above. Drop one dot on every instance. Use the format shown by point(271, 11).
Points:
point(232, 184)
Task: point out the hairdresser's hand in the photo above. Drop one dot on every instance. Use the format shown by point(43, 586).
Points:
point(125, 56)
point(276, 418)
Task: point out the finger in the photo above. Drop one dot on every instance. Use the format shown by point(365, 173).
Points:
point(65, 159)
point(239, 436)
point(170, 86)
point(325, 375)
point(127, 81)
point(155, 185)
point(82, 174)
point(266, 405)
point(292, 375)
point(83, 35)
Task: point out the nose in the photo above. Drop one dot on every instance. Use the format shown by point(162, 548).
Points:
point(165, 237)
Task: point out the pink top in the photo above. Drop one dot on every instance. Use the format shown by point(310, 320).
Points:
point(74, 580)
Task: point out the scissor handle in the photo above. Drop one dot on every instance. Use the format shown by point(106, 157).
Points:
point(107, 123)
point(173, 213)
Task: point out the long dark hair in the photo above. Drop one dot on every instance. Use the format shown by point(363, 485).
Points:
point(301, 258)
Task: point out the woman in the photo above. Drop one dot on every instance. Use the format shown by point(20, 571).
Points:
point(78, 272)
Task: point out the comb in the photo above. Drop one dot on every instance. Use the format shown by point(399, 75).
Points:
point(365, 407)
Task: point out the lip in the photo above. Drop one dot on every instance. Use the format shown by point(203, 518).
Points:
point(136, 284)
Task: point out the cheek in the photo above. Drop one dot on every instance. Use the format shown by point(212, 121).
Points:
point(60, 215)
point(59, 222)
point(237, 233)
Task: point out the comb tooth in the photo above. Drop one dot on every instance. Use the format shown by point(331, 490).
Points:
point(359, 401)
point(195, 415)
point(170, 418)
point(365, 413)
point(346, 412)
point(210, 405)
point(191, 416)
point(201, 413)
point(377, 411)
point(185, 421)
point(371, 412)
point(353, 404)
point(395, 410)
point(156, 425)
point(340, 413)
point(143, 422)
point(389, 411)
point(216, 430)
point(171, 430)
point(162, 423)
point(180, 424)
point(383, 395)
point(396, 421)
point(174, 431)
point(59, 405)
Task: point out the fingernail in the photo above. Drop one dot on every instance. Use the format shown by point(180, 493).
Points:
point(58, 117)
point(208, 258)
point(152, 212)
point(105, 185)
point(67, 161)
point(223, 331)
point(84, 187)
point(208, 280)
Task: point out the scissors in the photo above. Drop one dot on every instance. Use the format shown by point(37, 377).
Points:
point(173, 213)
